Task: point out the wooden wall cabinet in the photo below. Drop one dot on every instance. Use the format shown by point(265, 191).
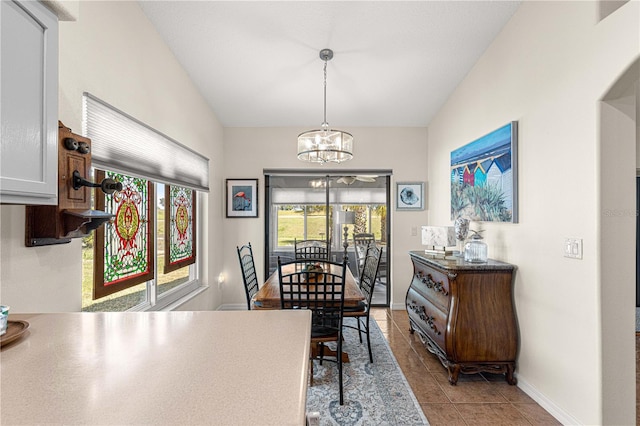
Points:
point(29, 103)
point(464, 314)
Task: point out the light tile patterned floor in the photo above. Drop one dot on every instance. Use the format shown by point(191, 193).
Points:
point(477, 399)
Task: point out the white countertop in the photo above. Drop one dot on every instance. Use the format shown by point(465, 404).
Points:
point(214, 367)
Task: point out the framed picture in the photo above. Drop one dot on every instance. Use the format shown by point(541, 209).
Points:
point(242, 198)
point(484, 177)
point(410, 196)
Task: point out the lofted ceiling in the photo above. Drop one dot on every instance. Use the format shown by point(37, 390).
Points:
point(395, 63)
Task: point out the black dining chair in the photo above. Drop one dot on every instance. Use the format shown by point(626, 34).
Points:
point(361, 242)
point(322, 292)
point(367, 282)
point(311, 249)
point(249, 277)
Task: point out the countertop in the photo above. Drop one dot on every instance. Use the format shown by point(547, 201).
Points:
point(209, 367)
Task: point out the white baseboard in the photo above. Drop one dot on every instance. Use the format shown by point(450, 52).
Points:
point(561, 415)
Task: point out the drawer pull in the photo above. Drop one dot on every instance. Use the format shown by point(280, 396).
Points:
point(428, 319)
point(437, 286)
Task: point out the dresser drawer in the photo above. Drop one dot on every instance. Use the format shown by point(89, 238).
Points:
point(431, 320)
point(432, 284)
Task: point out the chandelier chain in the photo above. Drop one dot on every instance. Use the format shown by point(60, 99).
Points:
point(325, 125)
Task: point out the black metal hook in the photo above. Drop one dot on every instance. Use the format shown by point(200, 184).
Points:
point(108, 185)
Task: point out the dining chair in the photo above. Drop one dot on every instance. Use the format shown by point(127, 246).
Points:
point(322, 292)
point(367, 283)
point(361, 242)
point(249, 277)
point(311, 249)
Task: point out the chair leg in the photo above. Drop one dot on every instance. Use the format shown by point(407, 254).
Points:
point(369, 342)
point(311, 368)
point(359, 330)
point(339, 362)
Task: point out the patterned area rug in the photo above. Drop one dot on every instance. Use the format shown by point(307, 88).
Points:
point(374, 394)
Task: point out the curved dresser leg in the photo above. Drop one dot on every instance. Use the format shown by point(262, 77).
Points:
point(510, 379)
point(454, 371)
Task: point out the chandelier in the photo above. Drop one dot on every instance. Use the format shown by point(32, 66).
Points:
point(325, 145)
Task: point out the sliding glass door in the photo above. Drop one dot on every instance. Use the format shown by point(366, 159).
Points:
point(306, 206)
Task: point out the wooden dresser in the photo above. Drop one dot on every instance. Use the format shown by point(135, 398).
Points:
point(464, 313)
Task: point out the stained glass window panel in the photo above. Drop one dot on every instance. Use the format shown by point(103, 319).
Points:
point(125, 242)
point(180, 244)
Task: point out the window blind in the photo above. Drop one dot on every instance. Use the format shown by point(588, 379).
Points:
point(340, 196)
point(122, 143)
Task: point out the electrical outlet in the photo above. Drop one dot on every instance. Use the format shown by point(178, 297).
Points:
point(573, 248)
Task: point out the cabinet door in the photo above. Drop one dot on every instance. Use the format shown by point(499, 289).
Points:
point(29, 103)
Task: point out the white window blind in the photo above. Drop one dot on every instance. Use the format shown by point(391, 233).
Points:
point(120, 142)
point(340, 196)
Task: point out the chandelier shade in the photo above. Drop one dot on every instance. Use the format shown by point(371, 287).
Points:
point(326, 144)
point(322, 146)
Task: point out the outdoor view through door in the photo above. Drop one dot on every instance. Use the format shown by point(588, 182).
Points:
point(303, 206)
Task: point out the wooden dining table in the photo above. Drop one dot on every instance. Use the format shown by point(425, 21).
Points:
point(268, 297)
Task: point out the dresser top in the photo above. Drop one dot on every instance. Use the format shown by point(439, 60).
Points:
point(457, 263)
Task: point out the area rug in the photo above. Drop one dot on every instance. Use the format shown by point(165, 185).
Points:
point(374, 394)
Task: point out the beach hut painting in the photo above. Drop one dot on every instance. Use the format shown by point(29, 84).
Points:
point(484, 177)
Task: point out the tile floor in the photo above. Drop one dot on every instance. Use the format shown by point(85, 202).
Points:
point(477, 399)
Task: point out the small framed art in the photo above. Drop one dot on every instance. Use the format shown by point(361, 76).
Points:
point(410, 196)
point(242, 198)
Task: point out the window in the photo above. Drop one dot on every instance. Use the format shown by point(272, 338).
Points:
point(302, 206)
point(146, 256)
point(146, 239)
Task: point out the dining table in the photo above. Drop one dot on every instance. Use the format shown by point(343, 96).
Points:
point(268, 297)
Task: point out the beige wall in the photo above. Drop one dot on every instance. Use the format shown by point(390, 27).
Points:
point(250, 150)
point(548, 69)
point(113, 52)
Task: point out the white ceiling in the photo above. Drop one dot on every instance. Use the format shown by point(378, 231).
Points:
point(395, 62)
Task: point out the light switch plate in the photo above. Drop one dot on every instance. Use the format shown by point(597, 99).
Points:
point(573, 248)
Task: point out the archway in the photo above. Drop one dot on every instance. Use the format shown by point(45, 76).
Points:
point(617, 219)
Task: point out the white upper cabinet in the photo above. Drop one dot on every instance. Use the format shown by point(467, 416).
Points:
point(29, 103)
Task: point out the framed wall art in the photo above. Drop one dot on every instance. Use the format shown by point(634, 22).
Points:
point(484, 177)
point(242, 198)
point(410, 196)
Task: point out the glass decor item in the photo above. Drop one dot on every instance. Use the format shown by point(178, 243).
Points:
point(461, 226)
point(475, 251)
